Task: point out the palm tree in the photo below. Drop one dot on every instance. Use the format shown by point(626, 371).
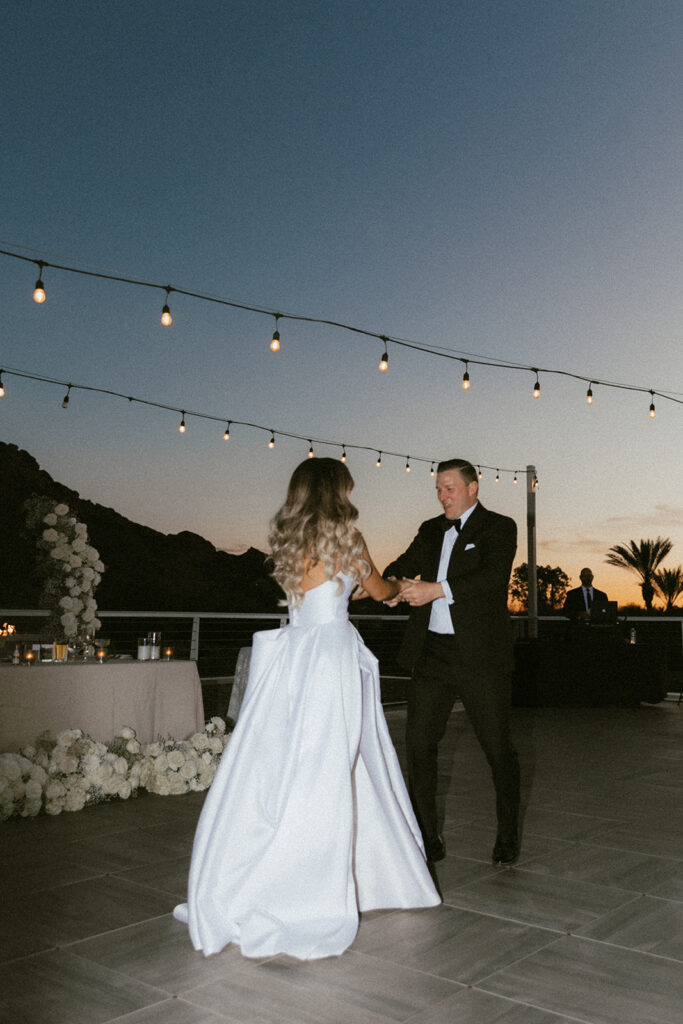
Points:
point(669, 583)
point(643, 558)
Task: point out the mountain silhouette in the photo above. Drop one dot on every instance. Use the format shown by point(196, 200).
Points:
point(145, 570)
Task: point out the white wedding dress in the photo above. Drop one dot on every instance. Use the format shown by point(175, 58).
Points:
point(308, 820)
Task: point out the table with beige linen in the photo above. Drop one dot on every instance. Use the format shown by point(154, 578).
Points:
point(156, 698)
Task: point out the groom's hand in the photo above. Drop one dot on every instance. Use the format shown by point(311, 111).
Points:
point(419, 592)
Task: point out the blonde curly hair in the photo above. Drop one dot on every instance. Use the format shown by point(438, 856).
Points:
point(316, 524)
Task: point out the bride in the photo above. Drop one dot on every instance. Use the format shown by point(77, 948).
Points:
point(308, 822)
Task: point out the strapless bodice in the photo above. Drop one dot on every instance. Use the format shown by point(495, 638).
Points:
point(323, 604)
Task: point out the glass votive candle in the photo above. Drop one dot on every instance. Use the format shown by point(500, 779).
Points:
point(168, 653)
point(144, 648)
point(101, 653)
point(29, 656)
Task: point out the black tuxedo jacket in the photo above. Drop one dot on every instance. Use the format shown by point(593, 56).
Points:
point(478, 575)
point(574, 603)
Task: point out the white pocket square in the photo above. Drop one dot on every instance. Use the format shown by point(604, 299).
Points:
point(468, 547)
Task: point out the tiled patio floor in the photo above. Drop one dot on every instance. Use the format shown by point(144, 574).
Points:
point(588, 926)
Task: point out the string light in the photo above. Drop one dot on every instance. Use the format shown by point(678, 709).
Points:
point(206, 416)
point(480, 472)
point(534, 483)
point(166, 317)
point(515, 480)
point(39, 295)
point(384, 361)
point(537, 387)
point(652, 406)
point(497, 476)
point(311, 453)
point(2, 386)
point(343, 454)
point(589, 394)
point(65, 400)
point(275, 343)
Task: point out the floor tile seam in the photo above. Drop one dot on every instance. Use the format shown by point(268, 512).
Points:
point(374, 957)
point(629, 849)
point(519, 869)
point(531, 868)
point(129, 1016)
point(59, 885)
point(146, 887)
point(625, 949)
point(109, 932)
point(559, 932)
point(520, 959)
point(562, 1016)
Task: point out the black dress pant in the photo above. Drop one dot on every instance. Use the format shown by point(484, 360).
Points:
point(437, 681)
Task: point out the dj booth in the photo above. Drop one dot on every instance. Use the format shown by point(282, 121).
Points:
point(592, 666)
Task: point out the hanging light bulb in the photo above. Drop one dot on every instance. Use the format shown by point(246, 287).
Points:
point(431, 471)
point(343, 454)
point(589, 394)
point(466, 378)
point(537, 387)
point(653, 412)
point(2, 386)
point(407, 463)
point(515, 481)
point(384, 361)
point(166, 317)
point(275, 343)
point(271, 443)
point(379, 460)
point(311, 453)
point(65, 400)
point(182, 428)
point(226, 435)
point(480, 472)
point(39, 295)
point(535, 484)
point(497, 476)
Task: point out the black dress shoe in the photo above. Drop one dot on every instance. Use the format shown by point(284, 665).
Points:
point(435, 850)
point(506, 850)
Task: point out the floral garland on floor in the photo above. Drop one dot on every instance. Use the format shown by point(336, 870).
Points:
point(73, 770)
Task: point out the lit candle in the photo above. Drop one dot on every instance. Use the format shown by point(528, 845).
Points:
point(101, 654)
point(29, 657)
point(168, 653)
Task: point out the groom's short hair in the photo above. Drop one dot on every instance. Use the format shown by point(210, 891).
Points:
point(466, 469)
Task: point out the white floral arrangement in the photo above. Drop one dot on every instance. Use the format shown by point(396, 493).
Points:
point(73, 770)
point(71, 568)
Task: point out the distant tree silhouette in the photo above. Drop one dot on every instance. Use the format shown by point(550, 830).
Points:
point(552, 586)
point(643, 559)
point(669, 585)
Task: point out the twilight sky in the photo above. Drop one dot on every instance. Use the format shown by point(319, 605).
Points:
point(496, 180)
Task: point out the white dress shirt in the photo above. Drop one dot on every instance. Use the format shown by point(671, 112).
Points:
point(440, 616)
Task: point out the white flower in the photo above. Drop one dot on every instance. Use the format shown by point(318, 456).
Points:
point(67, 765)
point(75, 561)
point(50, 519)
point(67, 603)
point(75, 800)
point(189, 770)
point(176, 759)
point(61, 509)
point(50, 535)
point(55, 790)
point(127, 733)
point(218, 724)
point(133, 747)
point(152, 749)
point(200, 741)
point(79, 546)
point(69, 736)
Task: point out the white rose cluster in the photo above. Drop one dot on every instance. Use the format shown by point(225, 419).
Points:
point(70, 771)
point(73, 570)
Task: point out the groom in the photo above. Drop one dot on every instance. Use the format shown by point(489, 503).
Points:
point(458, 643)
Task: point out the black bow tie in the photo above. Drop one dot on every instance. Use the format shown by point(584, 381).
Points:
point(447, 523)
